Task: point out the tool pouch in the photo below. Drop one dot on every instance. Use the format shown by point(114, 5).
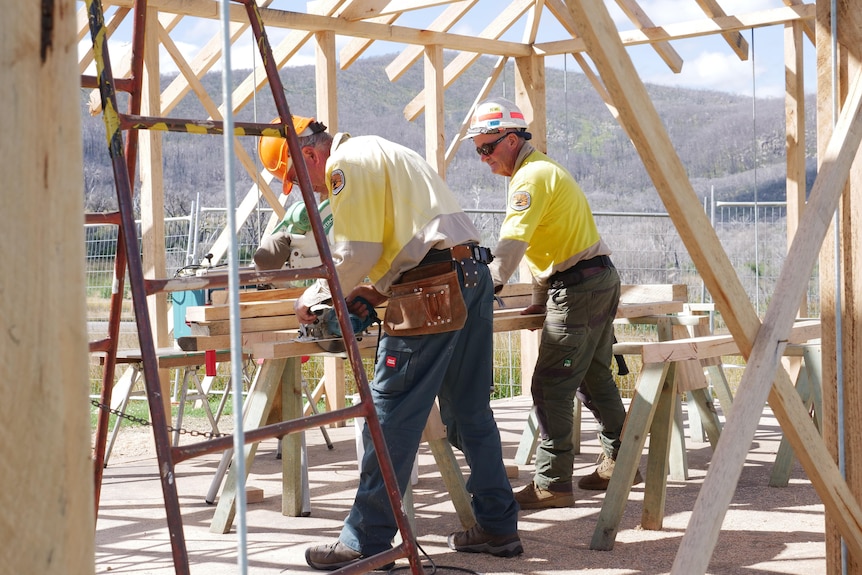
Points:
point(426, 301)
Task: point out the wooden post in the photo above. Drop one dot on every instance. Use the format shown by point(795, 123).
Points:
point(324, 76)
point(153, 201)
point(435, 144)
point(530, 98)
point(794, 114)
point(844, 269)
point(47, 469)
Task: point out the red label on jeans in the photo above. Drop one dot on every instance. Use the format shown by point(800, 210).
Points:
point(390, 361)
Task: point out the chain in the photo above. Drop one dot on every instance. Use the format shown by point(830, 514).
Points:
point(142, 421)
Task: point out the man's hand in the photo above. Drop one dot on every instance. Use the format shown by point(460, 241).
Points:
point(369, 294)
point(303, 314)
point(534, 309)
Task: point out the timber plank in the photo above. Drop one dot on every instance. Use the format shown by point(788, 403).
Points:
point(271, 323)
point(645, 293)
point(220, 297)
point(204, 342)
point(205, 313)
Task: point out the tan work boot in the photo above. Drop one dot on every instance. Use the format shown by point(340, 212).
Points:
point(598, 480)
point(534, 497)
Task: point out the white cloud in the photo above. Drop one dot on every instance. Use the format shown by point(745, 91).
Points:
point(720, 71)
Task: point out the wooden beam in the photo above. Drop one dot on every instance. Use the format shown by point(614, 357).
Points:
point(360, 9)
point(442, 23)
point(838, 267)
point(665, 51)
point(399, 6)
point(355, 48)
point(807, 26)
point(692, 29)
point(706, 347)
point(505, 20)
point(531, 98)
point(735, 40)
point(151, 172)
point(49, 524)
point(325, 73)
point(794, 122)
point(434, 129)
point(316, 23)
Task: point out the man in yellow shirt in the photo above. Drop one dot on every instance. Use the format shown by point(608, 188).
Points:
point(549, 224)
point(393, 216)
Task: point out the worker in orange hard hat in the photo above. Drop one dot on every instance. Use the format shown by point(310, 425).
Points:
point(275, 155)
point(275, 249)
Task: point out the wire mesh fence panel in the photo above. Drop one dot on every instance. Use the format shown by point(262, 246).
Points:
point(646, 250)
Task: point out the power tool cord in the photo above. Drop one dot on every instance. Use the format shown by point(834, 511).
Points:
point(433, 567)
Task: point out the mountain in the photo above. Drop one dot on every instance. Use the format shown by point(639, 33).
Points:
point(727, 143)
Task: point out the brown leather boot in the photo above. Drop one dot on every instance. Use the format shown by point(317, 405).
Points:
point(534, 497)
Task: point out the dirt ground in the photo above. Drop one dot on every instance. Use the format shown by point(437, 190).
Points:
point(766, 530)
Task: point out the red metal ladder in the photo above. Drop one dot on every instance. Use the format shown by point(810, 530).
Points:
point(123, 155)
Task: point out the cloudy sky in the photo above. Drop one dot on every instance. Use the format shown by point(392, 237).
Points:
point(709, 63)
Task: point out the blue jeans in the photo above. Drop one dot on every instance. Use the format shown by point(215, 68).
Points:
point(409, 373)
point(577, 346)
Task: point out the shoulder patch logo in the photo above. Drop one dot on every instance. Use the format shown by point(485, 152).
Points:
point(336, 181)
point(520, 201)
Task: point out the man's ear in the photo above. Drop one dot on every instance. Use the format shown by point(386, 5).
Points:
point(310, 154)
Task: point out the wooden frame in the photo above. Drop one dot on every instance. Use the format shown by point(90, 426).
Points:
point(594, 35)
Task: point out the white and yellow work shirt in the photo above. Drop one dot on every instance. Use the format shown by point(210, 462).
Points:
point(389, 208)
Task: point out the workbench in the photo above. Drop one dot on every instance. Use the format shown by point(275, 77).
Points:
point(651, 412)
point(280, 370)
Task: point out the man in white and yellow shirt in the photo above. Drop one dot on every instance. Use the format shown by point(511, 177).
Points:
point(393, 214)
point(549, 224)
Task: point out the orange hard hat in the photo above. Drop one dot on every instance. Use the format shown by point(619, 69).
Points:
point(275, 155)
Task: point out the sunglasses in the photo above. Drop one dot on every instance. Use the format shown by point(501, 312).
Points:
point(488, 149)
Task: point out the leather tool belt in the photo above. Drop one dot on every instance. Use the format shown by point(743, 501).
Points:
point(426, 300)
point(579, 272)
point(468, 256)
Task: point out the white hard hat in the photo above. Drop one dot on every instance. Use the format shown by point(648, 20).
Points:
point(493, 115)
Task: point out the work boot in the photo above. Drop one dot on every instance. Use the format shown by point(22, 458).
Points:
point(534, 497)
point(332, 556)
point(477, 540)
point(598, 480)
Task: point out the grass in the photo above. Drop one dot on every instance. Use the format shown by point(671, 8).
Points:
point(139, 409)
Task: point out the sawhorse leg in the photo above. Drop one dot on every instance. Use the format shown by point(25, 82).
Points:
point(435, 435)
point(530, 436)
point(808, 384)
point(642, 410)
point(190, 374)
point(120, 401)
point(259, 403)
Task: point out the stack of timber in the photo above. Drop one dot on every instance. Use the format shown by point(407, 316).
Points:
point(265, 315)
point(267, 318)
